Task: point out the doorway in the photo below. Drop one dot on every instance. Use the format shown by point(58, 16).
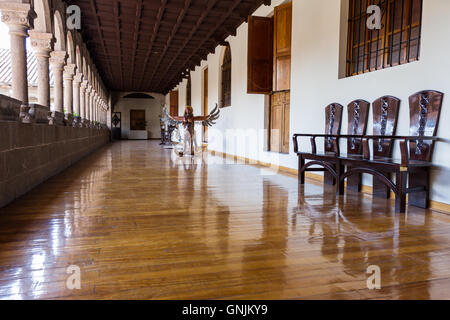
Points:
point(205, 103)
point(174, 103)
point(138, 125)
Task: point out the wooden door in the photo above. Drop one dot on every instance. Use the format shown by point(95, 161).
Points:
point(260, 55)
point(137, 120)
point(174, 103)
point(282, 47)
point(279, 128)
point(280, 122)
point(205, 103)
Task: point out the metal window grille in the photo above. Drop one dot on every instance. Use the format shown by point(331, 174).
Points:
point(397, 42)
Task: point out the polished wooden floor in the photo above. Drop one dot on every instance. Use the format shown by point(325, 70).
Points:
point(142, 223)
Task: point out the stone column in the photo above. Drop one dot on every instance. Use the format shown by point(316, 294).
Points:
point(69, 72)
point(83, 87)
point(18, 18)
point(91, 105)
point(57, 62)
point(96, 107)
point(88, 102)
point(42, 44)
point(78, 78)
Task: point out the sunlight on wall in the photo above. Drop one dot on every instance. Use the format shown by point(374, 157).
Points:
point(4, 37)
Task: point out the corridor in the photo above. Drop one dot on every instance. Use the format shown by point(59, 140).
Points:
point(141, 223)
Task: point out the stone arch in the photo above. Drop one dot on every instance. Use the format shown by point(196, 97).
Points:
point(78, 59)
point(71, 49)
point(60, 35)
point(43, 21)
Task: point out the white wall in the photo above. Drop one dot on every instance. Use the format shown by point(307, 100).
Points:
point(153, 111)
point(315, 84)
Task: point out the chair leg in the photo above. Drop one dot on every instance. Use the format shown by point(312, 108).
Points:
point(301, 174)
point(354, 182)
point(420, 179)
point(340, 187)
point(379, 189)
point(329, 179)
point(400, 197)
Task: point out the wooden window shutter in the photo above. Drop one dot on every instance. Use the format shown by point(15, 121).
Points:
point(260, 55)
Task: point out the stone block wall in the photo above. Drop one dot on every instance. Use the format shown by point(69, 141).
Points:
point(32, 153)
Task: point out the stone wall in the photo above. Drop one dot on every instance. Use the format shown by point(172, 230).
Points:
point(32, 153)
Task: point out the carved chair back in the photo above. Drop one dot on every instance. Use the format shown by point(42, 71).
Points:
point(385, 118)
point(333, 118)
point(425, 110)
point(358, 116)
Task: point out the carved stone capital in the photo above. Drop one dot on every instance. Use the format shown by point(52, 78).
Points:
point(84, 85)
point(78, 78)
point(58, 58)
point(18, 16)
point(42, 43)
point(69, 72)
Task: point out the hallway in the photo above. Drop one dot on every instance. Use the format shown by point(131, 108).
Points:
point(141, 224)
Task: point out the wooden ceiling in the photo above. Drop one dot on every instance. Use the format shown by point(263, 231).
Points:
point(148, 45)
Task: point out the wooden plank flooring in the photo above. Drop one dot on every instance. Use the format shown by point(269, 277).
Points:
point(143, 224)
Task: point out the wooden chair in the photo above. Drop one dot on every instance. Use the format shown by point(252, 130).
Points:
point(327, 160)
point(412, 171)
point(358, 116)
point(385, 118)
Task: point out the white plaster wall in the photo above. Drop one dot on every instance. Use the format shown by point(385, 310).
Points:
point(153, 111)
point(315, 83)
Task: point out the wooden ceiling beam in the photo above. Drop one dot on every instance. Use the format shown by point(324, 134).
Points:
point(205, 13)
point(159, 17)
point(213, 30)
point(175, 28)
point(137, 26)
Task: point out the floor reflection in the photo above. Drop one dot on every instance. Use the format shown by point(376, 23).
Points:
point(143, 223)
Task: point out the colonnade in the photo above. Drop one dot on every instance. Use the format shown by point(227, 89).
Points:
point(80, 97)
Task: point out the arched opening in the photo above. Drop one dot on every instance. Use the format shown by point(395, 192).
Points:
point(138, 96)
point(43, 22)
point(225, 85)
point(78, 59)
point(70, 49)
point(60, 37)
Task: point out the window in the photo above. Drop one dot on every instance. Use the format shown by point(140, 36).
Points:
point(225, 100)
point(397, 42)
point(189, 92)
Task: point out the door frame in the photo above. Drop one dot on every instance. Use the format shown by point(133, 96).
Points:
point(205, 102)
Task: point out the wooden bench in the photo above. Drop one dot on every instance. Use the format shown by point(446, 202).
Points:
point(412, 170)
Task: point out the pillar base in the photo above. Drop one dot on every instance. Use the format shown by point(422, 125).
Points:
point(39, 113)
point(76, 122)
point(25, 115)
point(85, 123)
point(9, 109)
point(68, 120)
point(56, 119)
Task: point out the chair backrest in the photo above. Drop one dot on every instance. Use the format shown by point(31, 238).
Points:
point(425, 110)
point(358, 116)
point(385, 118)
point(333, 118)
